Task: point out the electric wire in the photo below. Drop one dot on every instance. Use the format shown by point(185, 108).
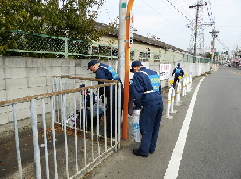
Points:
point(178, 10)
point(222, 43)
point(162, 15)
point(185, 9)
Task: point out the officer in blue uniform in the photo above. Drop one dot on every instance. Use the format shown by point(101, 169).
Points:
point(178, 72)
point(106, 72)
point(147, 94)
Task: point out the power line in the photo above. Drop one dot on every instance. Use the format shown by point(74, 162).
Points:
point(222, 43)
point(185, 8)
point(178, 10)
point(162, 15)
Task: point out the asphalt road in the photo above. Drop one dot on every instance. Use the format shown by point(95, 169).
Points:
point(211, 117)
point(213, 144)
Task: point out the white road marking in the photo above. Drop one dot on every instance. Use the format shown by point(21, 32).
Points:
point(174, 163)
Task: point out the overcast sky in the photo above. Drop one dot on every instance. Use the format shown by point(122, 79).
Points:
point(168, 20)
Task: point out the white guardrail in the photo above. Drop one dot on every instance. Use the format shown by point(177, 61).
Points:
point(184, 86)
point(63, 148)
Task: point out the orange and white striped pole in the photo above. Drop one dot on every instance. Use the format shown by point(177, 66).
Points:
point(127, 58)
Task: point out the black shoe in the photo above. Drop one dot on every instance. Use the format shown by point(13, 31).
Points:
point(137, 153)
point(151, 152)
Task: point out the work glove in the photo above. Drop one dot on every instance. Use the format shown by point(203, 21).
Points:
point(137, 108)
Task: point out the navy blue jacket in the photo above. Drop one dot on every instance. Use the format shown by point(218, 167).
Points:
point(178, 72)
point(103, 73)
point(142, 84)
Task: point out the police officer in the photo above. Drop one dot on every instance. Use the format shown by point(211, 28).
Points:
point(147, 93)
point(106, 72)
point(178, 72)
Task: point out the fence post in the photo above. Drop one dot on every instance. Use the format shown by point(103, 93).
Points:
point(66, 47)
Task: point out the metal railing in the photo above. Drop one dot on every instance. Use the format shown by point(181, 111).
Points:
point(82, 149)
point(24, 42)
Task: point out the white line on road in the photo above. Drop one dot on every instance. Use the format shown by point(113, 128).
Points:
point(174, 163)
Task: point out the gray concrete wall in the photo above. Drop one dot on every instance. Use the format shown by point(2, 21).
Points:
point(22, 77)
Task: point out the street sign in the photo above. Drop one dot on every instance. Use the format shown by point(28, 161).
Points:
point(211, 51)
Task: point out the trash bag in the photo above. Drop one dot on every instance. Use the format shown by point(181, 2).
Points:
point(136, 128)
point(71, 121)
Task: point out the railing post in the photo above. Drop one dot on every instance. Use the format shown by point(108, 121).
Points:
point(35, 138)
point(179, 93)
point(190, 86)
point(183, 86)
point(169, 104)
point(17, 141)
point(172, 102)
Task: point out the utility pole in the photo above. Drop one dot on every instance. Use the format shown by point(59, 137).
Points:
point(214, 32)
point(121, 40)
point(195, 43)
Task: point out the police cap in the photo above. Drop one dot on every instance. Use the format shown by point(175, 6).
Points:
point(91, 63)
point(135, 64)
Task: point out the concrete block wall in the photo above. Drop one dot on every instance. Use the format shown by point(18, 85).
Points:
point(21, 77)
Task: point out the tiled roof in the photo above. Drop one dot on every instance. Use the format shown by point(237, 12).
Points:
point(143, 39)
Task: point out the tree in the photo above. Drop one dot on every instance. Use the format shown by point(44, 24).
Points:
point(208, 55)
point(73, 19)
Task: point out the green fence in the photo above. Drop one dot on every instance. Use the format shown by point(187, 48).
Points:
point(62, 47)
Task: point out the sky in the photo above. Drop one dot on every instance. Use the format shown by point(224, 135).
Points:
point(169, 20)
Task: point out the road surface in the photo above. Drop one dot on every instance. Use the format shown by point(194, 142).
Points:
point(202, 140)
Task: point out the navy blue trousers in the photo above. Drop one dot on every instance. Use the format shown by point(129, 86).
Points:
point(175, 80)
point(149, 127)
